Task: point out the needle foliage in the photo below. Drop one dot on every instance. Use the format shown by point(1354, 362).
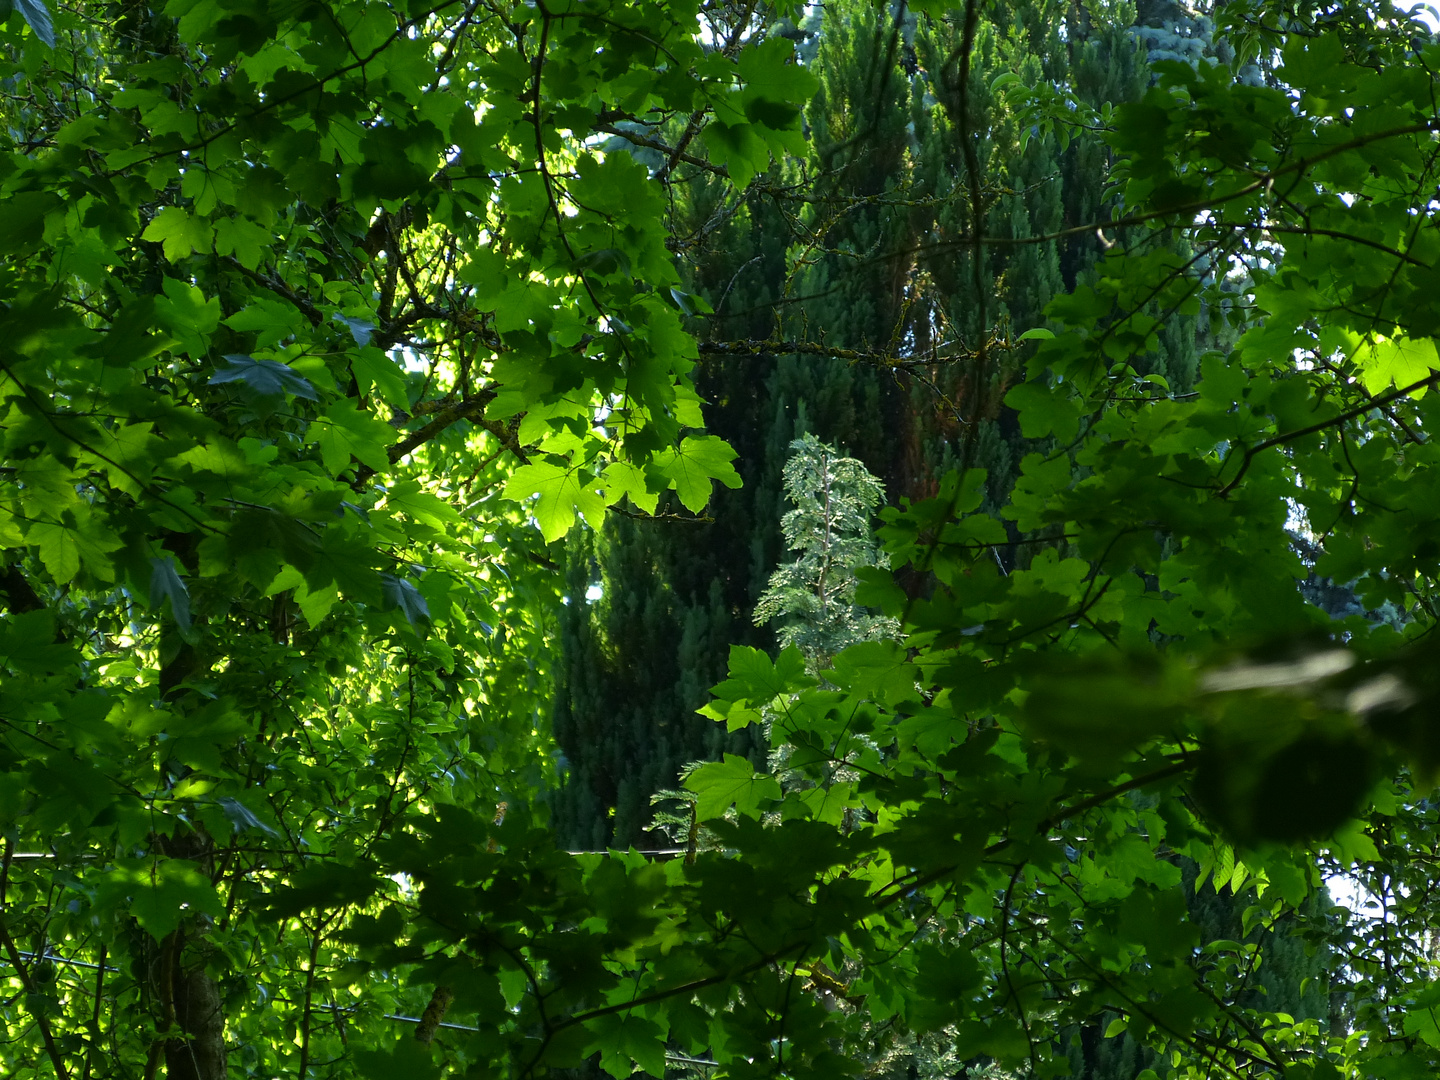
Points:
point(828, 529)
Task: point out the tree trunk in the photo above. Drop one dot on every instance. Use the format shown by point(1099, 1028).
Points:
point(189, 998)
point(200, 1015)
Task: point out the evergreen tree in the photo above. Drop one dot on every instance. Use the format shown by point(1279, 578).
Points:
point(640, 656)
point(870, 256)
point(858, 246)
point(829, 531)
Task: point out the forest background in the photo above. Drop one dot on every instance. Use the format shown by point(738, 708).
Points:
point(366, 372)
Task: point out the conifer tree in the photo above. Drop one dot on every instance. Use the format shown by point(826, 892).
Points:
point(829, 531)
point(869, 258)
point(853, 247)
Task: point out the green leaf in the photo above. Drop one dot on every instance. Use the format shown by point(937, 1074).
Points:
point(738, 148)
point(486, 271)
point(755, 682)
point(694, 464)
point(180, 234)
point(1097, 707)
point(689, 303)
point(323, 886)
point(271, 320)
point(945, 980)
point(187, 313)
point(1402, 1066)
point(315, 604)
point(1044, 410)
point(563, 490)
point(242, 238)
point(377, 373)
point(625, 1041)
point(1400, 361)
point(27, 644)
point(404, 596)
point(360, 329)
point(59, 549)
point(23, 223)
point(406, 1060)
point(624, 478)
point(242, 818)
point(1288, 881)
point(1039, 333)
point(771, 73)
point(163, 892)
point(409, 498)
point(733, 781)
point(1001, 1038)
point(167, 586)
point(753, 676)
point(37, 16)
point(79, 538)
point(346, 430)
point(876, 668)
point(262, 378)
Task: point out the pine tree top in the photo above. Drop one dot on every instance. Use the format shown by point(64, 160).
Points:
point(829, 530)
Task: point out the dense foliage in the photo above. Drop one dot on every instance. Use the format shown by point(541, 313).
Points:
point(844, 254)
point(321, 321)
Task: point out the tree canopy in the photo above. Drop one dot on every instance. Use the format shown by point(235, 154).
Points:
point(322, 324)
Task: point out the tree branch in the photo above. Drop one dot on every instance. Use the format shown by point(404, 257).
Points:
point(674, 154)
point(879, 357)
point(1320, 425)
point(472, 409)
point(45, 1033)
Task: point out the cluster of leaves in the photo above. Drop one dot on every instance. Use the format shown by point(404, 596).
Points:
point(310, 315)
point(283, 287)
